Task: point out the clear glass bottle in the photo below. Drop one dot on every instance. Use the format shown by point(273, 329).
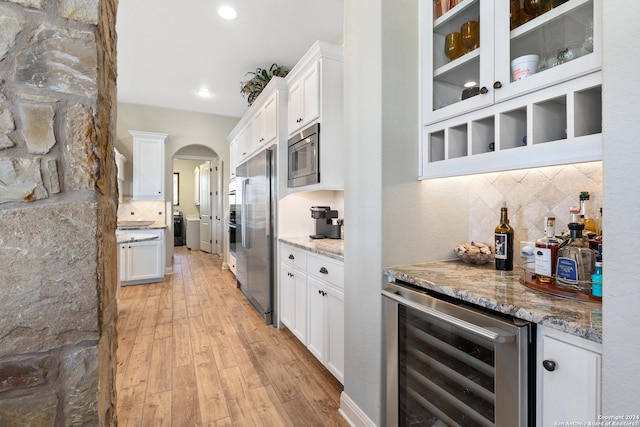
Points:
point(504, 242)
point(576, 262)
point(589, 222)
point(546, 252)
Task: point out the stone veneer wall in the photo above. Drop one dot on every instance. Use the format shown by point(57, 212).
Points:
point(58, 201)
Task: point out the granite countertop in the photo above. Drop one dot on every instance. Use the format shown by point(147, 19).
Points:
point(502, 292)
point(332, 248)
point(127, 237)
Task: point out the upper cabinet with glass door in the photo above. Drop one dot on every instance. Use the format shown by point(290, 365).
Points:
point(468, 48)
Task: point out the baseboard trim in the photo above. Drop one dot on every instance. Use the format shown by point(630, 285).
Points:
point(352, 413)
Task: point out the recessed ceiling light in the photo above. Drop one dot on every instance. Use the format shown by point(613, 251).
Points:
point(204, 93)
point(227, 12)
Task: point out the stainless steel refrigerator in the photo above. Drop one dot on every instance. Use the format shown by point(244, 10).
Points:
point(256, 198)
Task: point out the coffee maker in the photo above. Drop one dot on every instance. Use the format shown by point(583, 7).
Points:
point(324, 218)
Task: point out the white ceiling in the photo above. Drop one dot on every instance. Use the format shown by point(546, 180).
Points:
point(168, 50)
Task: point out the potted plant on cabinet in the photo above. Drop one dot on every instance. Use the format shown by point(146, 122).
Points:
point(254, 86)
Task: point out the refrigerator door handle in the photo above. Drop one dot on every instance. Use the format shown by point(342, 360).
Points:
point(243, 215)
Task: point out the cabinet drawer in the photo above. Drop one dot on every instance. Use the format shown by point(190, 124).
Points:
point(325, 269)
point(294, 256)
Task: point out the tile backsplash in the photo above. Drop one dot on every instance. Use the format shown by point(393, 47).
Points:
point(530, 195)
point(139, 210)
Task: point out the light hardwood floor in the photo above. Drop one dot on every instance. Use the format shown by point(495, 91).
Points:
point(192, 351)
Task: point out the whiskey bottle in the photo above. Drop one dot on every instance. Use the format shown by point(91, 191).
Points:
point(504, 242)
point(546, 252)
point(576, 262)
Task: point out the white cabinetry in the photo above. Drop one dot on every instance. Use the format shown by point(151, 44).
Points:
point(261, 125)
point(148, 165)
point(568, 378)
point(142, 262)
point(316, 96)
point(550, 117)
point(312, 304)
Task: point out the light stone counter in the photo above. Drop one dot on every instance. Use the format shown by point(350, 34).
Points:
point(125, 237)
point(332, 248)
point(502, 292)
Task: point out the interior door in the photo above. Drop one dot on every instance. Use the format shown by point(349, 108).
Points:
point(218, 208)
point(205, 207)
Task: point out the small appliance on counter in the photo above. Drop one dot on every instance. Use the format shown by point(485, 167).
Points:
point(327, 223)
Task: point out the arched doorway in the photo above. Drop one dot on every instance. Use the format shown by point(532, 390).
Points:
point(198, 174)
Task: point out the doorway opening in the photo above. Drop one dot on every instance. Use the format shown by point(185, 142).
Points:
point(200, 200)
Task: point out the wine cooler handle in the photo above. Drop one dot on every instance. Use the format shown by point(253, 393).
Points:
point(494, 335)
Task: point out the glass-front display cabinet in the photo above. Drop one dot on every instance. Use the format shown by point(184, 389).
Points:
point(478, 52)
point(509, 84)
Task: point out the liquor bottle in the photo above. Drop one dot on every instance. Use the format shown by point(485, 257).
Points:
point(504, 242)
point(546, 252)
point(589, 222)
point(576, 262)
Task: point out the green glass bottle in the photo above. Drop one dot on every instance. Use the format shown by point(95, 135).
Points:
point(504, 242)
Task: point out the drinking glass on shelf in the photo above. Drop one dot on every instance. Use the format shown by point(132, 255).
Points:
point(453, 45)
point(442, 6)
point(470, 35)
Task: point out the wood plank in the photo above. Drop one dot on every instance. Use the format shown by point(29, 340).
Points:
point(157, 410)
point(184, 397)
point(160, 366)
point(182, 353)
point(211, 398)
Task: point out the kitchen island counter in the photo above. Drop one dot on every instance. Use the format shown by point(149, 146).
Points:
point(502, 292)
point(332, 248)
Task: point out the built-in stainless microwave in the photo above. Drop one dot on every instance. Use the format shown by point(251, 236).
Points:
point(304, 157)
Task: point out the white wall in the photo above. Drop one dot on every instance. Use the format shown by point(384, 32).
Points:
point(621, 165)
point(294, 216)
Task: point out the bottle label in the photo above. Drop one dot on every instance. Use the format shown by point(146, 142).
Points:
point(501, 248)
point(543, 261)
point(567, 270)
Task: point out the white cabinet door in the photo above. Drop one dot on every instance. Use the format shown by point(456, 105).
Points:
point(144, 260)
point(293, 288)
point(148, 165)
point(335, 329)
point(304, 98)
point(270, 120)
point(122, 262)
point(569, 378)
point(295, 106)
point(316, 316)
point(233, 158)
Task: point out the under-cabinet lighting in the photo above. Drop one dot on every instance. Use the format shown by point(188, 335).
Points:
point(227, 12)
point(470, 84)
point(204, 93)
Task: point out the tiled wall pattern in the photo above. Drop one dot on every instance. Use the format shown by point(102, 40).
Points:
point(142, 210)
point(530, 195)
